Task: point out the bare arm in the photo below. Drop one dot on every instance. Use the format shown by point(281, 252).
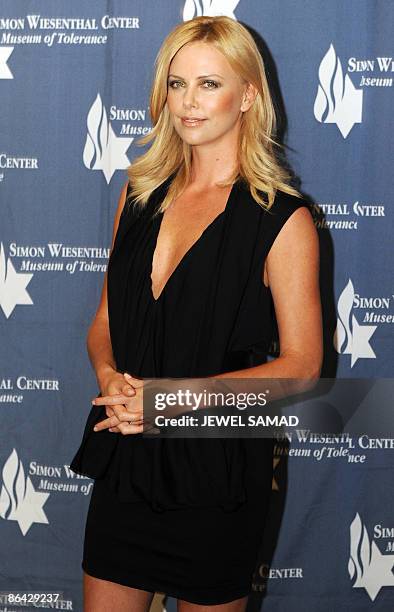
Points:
point(98, 340)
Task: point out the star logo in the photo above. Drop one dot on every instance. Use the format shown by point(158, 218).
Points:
point(210, 8)
point(371, 569)
point(103, 149)
point(19, 501)
point(12, 285)
point(5, 72)
point(356, 335)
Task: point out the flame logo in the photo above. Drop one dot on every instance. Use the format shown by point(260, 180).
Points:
point(367, 565)
point(210, 8)
point(97, 136)
point(337, 100)
point(359, 560)
point(19, 501)
point(343, 331)
point(14, 489)
point(103, 149)
point(356, 335)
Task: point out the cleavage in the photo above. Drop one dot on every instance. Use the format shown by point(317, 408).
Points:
point(179, 232)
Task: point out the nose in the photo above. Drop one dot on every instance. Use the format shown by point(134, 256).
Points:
point(189, 97)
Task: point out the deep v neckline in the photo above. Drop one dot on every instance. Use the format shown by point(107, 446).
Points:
point(187, 254)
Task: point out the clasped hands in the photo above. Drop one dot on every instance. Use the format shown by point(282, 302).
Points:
point(122, 395)
point(123, 401)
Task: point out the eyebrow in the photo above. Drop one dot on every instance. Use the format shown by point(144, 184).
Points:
point(203, 76)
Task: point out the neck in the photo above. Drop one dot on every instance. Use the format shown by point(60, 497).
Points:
point(214, 162)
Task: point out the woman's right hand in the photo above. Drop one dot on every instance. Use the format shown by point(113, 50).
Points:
point(115, 383)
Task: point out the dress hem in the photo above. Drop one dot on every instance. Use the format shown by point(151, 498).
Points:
point(216, 596)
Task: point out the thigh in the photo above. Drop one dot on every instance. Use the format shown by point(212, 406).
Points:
point(238, 605)
point(105, 596)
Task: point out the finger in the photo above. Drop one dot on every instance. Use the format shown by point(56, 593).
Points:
point(136, 382)
point(133, 413)
point(128, 417)
point(116, 420)
point(126, 428)
point(112, 410)
point(106, 423)
point(146, 427)
point(111, 399)
point(128, 389)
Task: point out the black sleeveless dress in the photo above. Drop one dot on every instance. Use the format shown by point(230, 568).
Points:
point(184, 516)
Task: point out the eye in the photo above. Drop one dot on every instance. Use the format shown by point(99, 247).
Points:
point(215, 85)
point(173, 83)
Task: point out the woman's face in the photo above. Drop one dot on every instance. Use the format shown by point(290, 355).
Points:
point(203, 86)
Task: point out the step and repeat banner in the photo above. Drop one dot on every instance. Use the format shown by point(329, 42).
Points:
point(74, 88)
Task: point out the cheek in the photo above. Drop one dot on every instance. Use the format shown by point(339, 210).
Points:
point(174, 101)
point(225, 103)
point(170, 102)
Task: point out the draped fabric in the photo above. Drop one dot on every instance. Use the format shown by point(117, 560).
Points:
point(214, 315)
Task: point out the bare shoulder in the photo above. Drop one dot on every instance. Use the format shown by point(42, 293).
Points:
point(295, 249)
point(297, 228)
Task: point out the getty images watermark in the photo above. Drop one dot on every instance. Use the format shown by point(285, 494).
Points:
point(190, 400)
point(265, 408)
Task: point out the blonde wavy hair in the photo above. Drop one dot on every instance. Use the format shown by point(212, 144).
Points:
point(257, 163)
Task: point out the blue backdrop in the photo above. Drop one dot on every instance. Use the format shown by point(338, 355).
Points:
point(74, 84)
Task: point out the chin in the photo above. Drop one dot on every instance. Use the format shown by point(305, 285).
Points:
point(190, 140)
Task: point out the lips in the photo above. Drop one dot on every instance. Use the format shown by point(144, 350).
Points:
point(192, 121)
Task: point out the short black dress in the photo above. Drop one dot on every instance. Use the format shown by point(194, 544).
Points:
point(184, 516)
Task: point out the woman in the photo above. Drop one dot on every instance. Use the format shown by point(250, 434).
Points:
point(196, 259)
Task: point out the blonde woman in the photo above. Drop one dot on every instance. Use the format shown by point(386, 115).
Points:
point(208, 236)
